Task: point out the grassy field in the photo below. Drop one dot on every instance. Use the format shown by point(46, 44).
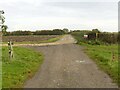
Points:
point(31, 39)
point(103, 56)
point(52, 39)
point(23, 66)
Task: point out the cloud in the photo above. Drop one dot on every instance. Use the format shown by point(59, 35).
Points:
point(44, 14)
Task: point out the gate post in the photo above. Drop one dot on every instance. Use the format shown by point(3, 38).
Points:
point(10, 43)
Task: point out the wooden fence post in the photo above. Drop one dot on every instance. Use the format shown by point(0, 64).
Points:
point(10, 49)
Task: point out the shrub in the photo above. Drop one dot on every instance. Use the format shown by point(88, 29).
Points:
point(102, 37)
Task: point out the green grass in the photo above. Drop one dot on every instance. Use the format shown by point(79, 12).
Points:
point(52, 39)
point(102, 55)
point(23, 66)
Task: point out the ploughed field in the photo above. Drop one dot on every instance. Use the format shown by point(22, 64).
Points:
point(32, 38)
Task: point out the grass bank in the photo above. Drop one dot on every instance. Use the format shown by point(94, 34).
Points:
point(23, 66)
point(103, 56)
point(106, 57)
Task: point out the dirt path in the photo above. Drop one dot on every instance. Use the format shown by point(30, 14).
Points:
point(67, 66)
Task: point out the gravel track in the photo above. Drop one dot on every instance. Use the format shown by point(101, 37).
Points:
point(67, 66)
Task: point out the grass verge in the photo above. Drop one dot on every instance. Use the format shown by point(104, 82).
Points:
point(103, 56)
point(23, 66)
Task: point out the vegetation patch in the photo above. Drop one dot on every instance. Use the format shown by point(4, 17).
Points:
point(95, 37)
point(52, 39)
point(23, 66)
point(105, 55)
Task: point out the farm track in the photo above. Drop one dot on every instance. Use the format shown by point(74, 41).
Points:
point(67, 66)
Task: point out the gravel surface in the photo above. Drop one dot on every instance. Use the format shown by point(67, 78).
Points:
point(67, 66)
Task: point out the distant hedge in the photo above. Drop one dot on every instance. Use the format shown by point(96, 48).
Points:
point(38, 32)
point(17, 33)
point(102, 37)
point(49, 32)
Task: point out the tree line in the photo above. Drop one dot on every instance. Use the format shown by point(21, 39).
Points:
point(38, 32)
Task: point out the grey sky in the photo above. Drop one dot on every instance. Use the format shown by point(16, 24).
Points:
point(72, 14)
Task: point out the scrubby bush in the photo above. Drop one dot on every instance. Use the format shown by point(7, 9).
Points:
point(95, 37)
point(110, 38)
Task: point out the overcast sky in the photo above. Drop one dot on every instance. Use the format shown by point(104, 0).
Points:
point(51, 14)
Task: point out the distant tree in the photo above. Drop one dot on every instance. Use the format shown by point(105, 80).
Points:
point(95, 30)
point(58, 32)
point(19, 32)
point(65, 30)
